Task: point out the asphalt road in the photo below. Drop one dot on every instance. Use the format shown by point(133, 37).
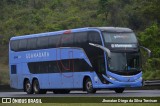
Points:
point(107, 93)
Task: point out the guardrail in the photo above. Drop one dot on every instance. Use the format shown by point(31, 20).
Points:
point(151, 83)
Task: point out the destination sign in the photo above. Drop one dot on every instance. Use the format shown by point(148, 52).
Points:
point(123, 46)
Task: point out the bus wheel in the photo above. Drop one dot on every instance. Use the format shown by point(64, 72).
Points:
point(28, 87)
point(36, 88)
point(119, 90)
point(89, 87)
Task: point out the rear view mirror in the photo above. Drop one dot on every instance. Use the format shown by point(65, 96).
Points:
point(146, 49)
point(103, 48)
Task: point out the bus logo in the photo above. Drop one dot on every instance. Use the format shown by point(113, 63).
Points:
point(6, 100)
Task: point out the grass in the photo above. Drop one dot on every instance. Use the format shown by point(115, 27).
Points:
point(85, 104)
point(4, 70)
point(4, 74)
point(155, 74)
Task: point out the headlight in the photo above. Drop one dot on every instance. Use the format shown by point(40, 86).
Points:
point(140, 78)
point(111, 77)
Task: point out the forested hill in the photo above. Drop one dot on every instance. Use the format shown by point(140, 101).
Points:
point(20, 17)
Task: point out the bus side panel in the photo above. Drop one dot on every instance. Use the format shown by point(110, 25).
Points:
point(49, 81)
point(78, 80)
point(14, 81)
point(20, 75)
point(16, 78)
point(67, 80)
point(43, 80)
point(55, 80)
point(79, 77)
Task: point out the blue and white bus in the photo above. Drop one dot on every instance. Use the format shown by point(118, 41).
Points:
point(85, 59)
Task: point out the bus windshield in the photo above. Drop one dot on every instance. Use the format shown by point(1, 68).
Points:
point(124, 62)
point(119, 37)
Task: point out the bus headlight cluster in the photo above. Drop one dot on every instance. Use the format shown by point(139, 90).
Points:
point(140, 78)
point(111, 77)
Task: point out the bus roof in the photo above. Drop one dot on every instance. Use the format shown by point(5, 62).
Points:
point(114, 29)
point(108, 29)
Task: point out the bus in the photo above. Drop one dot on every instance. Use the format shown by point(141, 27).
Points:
point(87, 59)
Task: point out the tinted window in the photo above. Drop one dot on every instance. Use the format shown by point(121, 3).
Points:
point(43, 67)
point(124, 62)
point(67, 40)
point(52, 67)
point(14, 45)
point(124, 37)
point(66, 65)
point(54, 41)
point(32, 44)
point(80, 39)
point(13, 69)
point(22, 45)
point(73, 65)
point(94, 37)
point(42, 43)
point(81, 65)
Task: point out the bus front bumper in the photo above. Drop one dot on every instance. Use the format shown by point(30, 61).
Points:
point(120, 84)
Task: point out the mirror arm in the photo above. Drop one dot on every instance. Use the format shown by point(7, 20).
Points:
point(101, 47)
point(149, 51)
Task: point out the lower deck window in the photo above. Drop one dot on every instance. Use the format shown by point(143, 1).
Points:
point(13, 69)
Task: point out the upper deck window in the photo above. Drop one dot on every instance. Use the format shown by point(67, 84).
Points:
point(119, 37)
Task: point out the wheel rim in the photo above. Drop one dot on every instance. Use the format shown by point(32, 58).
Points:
point(36, 87)
point(28, 86)
point(89, 85)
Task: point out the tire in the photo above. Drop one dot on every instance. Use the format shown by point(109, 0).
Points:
point(36, 88)
point(61, 91)
point(88, 86)
point(119, 90)
point(28, 87)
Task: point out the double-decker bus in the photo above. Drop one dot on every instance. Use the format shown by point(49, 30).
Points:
point(85, 59)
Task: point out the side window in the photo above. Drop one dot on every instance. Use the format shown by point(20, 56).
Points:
point(22, 45)
point(67, 65)
point(14, 44)
point(13, 69)
point(78, 63)
point(54, 41)
point(52, 67)
point(32, 44)
point(80, 39)
point(67, 40)
point(32, 67)
point(94, 37)
point(43, 67)
point(42, 43)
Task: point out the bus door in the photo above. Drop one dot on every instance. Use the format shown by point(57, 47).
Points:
point(66, 64)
